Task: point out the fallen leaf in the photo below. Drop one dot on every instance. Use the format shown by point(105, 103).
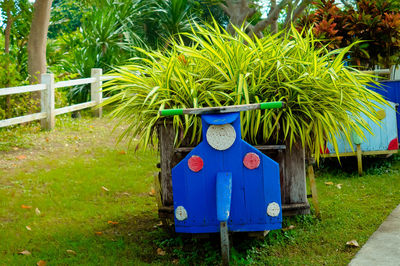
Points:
point(352, 243)
point(47, 139)
point(70, 251)
point(15, 148)
point(21, 157)
point(37, 211)
point(175, 261)
point(41, 263)
point(90, 126)
point(160, 252)
point(25, 252)
point(25, 206)
point(28, 228)
point(122, 152)
point(125, 194)
point(152, 192)
point(290, 227)
point(339, 186)
point(105, 189)
point(99, 233)
point(329, 183)
point(111, 222)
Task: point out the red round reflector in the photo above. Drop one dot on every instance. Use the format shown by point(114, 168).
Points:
point(394, 144)
point(251, 160)
point(195, 163)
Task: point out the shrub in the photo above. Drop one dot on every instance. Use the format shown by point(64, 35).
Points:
point(324, 97)
point(377, 23)
point(12, 105)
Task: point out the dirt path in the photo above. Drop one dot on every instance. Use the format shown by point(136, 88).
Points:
point(71, 137)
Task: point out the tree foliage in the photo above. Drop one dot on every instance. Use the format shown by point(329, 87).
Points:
point(21, 13)
point(376, 23)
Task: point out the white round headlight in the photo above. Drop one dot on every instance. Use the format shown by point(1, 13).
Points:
point(181, 213)
point(273, 209)
point(221, 137)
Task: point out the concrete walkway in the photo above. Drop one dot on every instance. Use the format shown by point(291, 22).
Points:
point(383, 247)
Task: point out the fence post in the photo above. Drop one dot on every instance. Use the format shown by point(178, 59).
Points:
point(47, 102)
point(395, 72)
point(96, 92)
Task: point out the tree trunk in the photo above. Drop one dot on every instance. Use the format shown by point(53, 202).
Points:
point(239, 11)
point(7, 32)
point(296, 13)
point(37, 40)
point(274, 23)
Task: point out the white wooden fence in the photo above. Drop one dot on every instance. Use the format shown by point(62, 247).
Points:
point(47, 87)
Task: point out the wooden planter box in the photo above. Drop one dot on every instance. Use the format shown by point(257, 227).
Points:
point(291, 166)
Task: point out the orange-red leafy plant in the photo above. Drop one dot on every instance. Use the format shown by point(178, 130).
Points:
point(375, 22)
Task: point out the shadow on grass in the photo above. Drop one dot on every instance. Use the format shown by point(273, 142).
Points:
point(187, 249)
point(142, 239)
point(130, 241)
point(347, 166)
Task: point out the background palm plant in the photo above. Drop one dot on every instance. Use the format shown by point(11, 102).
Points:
point(106, 39)
point(324, 97)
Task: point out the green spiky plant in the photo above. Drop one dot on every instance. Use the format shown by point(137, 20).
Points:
point(324, 97)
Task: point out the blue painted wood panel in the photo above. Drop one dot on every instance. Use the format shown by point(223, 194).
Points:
point(252, 190)
point(391, 92)
point(383, 133)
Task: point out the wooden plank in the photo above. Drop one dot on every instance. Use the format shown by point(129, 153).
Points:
point(74, 82)
point(22, 89)
point(377, 71)
point(224, 237)
point(295, 206)
point(96, 92)
point(270, 147)
point(104, 78)
point(166, 135)
point(259, 147)
point(313, 186)
point(347, 154)
point(294, 183)
point(379, 152)
point(75, 107)
point(22, 119)
point(222, 109)
point(395, 73)
point(359, 159)
point(167, 212)
point(48, 102)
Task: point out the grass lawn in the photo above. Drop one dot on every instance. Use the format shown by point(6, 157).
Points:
point(97, 206)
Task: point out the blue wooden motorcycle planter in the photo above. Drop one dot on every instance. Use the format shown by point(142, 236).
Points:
point(224, 184)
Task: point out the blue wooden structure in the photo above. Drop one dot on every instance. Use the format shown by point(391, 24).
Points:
point(203, 194)
point(225, 184)
point(390, 91)
point(384, 136)
point(384, 139)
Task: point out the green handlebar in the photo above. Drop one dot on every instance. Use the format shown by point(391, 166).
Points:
point(168, 112)
point(222, 109)
point(271, 105)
